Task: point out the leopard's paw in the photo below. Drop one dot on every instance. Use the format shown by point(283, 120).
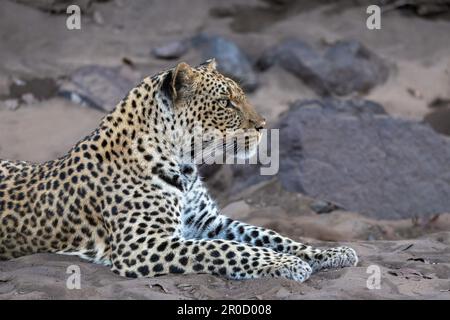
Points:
point(339, 257)
point(296, 269)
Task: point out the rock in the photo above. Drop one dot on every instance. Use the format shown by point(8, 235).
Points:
point(322, 206)
point(346, 67)
point(354, 107)
point(354, 68)
point(282, 293)
point(366, 161)
point(171, 50)
point(287, 52)
point(245, 176)
point(439, 120)
point(11, 104)
point(96, 86)
point(231, 60)
point(29, 98)
point(79, 99)
point(439, 102)
point(29, 91)
point(40, 88)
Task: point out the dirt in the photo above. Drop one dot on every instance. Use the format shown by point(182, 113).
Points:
point(408, 269)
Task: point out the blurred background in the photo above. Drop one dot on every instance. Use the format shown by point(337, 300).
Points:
point(364, 115)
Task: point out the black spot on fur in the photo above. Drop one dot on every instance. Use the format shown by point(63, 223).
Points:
point(166, 86)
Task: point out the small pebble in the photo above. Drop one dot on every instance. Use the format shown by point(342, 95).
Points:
point(11, 104)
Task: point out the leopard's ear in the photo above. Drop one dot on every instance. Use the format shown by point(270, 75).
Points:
point(178, 80)
point(210, 64)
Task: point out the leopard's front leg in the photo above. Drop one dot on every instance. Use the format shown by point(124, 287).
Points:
point(222, 227)
point(318, 259)
point(202, 220)
point(138, 249)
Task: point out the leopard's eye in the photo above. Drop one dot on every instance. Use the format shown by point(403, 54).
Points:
point(226, 103)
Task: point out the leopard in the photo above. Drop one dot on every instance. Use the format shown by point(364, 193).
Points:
point(126, 197)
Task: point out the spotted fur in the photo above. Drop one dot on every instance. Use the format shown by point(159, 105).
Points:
point(124, 197)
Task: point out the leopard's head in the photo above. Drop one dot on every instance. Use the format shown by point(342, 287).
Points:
point(210, 105)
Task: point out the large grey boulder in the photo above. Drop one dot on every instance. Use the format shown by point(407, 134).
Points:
point(344, 68)
point(231, 60)
point(356, 156)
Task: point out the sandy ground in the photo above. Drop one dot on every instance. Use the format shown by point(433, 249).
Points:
point(45, 131)
point(409, 269)
point(36, 44)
